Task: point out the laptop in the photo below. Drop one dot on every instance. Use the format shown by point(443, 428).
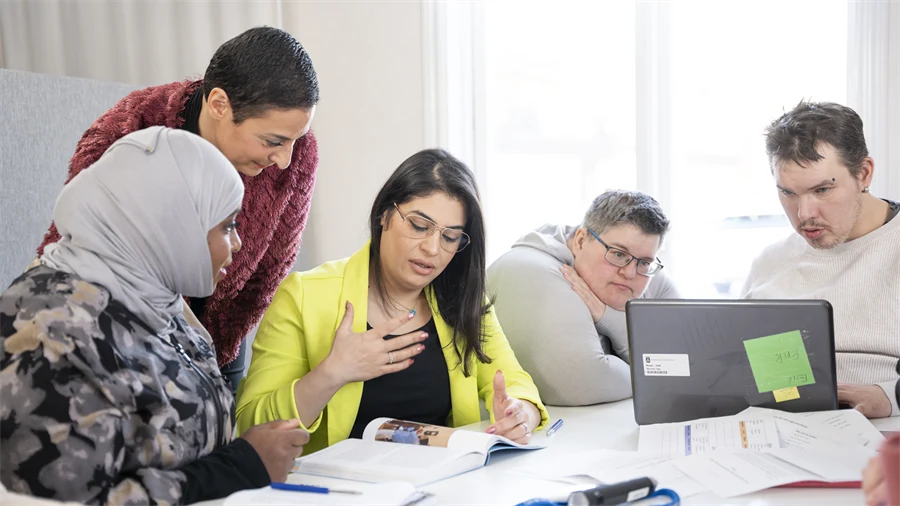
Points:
point(704, 358)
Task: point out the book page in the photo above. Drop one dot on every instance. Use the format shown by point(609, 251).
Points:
point(378, 461)
point(467, 440)
point(706, 435)
point(404, 432)
point(420, 434)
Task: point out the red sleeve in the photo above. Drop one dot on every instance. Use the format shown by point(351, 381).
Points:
point(229, 320)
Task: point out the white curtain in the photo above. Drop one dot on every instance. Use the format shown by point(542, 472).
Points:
point(140, 42)
point(873, 86)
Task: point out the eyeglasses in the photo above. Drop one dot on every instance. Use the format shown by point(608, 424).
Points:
point(621, 258)
point(418, 227)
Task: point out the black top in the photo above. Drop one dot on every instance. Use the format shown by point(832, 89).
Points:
point(192, 112)
point(231, 468)
point(419, 393)
point(192, 125)
point(897, 385)
point(893, 210)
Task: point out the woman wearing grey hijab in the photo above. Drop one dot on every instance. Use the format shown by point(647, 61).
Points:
point(109, 396)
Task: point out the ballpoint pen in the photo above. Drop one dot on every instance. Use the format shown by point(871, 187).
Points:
point(312, 489)
point(555, 427)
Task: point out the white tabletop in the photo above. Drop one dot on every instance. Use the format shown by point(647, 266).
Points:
point(609, 426)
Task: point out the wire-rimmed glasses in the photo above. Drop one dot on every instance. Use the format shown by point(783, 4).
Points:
point(453, 240)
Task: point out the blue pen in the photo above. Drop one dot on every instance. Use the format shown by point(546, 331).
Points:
point(555, 427)
point(309, 488)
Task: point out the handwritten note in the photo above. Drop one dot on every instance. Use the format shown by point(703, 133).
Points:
point(786, 394)
point(779, 362)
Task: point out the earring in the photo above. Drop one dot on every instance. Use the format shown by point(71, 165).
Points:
point(866, 189)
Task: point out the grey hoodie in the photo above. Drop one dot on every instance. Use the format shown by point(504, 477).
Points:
point(573, 361)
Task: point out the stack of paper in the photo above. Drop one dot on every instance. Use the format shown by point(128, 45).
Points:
point(753, 450)
point(762, 448)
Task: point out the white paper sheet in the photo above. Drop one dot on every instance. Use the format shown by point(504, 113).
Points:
point(662, 469)
point(849, 423)
point(831, 463)
point(389, 493)
point(796, 431)
point(801, 430)
point(612, 466)
point(709, 434)
point(734, 473)
point(581, 463)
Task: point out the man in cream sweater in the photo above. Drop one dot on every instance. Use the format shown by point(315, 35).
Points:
point(560, 293)
point(846, 249)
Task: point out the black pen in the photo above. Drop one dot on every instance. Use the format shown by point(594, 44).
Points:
point(616, 493)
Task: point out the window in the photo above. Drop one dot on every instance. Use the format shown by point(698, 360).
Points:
point(734, 67)
point(559, 112)
point(560, 120)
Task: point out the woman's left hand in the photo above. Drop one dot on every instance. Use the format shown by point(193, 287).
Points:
point(515, 419)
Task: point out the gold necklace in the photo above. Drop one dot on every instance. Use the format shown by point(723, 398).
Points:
point(412, 310)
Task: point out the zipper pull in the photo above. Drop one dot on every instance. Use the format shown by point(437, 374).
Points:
point(181, 351)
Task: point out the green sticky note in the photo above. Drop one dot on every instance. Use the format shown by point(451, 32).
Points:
point(779, 361)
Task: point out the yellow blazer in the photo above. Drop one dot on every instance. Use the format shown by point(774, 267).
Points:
point(297, 332)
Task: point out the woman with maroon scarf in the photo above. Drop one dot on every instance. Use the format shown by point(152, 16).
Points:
point(255, 104)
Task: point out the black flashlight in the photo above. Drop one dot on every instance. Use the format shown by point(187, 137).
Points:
point(616, 493)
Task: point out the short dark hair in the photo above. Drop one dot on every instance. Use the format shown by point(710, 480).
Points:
point(796, 135)
point(621, 207)
point(263, 68)
point(459, 290)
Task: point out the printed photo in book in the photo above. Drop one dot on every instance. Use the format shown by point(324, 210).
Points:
point(408, 451)
point(413, 433)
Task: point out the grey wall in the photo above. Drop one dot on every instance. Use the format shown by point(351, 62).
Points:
point(41, 119)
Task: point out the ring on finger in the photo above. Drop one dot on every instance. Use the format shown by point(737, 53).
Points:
point(390, 357)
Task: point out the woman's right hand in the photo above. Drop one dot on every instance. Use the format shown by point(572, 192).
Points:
point(277, 443)
point(367, 355)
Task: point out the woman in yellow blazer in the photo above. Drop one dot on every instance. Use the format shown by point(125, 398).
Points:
point(400, 329)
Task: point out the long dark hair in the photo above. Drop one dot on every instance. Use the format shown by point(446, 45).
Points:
point(460, 289)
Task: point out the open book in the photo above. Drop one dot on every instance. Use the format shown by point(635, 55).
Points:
point(407, 451)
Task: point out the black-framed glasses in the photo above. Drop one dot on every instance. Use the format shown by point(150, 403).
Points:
point(621, 258)
point(453, 240)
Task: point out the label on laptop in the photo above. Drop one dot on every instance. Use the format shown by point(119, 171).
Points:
point(666, 364)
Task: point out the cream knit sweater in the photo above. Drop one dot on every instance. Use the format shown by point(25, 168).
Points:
point(861, 280)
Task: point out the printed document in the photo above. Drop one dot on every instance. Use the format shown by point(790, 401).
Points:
point(708, 434)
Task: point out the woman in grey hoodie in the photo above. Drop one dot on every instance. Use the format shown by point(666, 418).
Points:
point(561, 292)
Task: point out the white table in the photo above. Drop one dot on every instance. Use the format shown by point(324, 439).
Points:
point(609, 426)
